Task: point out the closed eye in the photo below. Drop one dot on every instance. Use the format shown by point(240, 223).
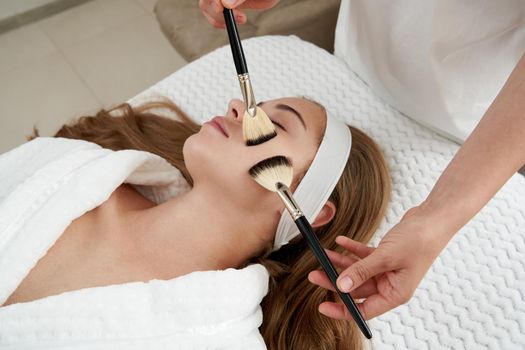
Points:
point(279, 125)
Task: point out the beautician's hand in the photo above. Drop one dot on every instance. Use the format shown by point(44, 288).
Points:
point(212, 9)
point(386, 276)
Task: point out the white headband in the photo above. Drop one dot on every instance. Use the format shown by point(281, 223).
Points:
point(320, 179)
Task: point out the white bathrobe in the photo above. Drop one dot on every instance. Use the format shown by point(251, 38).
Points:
point(47, 183)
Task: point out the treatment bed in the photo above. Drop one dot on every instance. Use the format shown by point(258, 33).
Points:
point(473, 297)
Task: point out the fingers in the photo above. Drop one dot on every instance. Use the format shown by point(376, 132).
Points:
point(371, 307)
point(214, 22)
point(358, 248)
point(375, 305)
point(250, 4)
point(338, 311)
point(320, 278)
point(232, 3)
point(213, 12)
point(339, 260)
point(334, 310)
point(379, 276)
point(363, 270)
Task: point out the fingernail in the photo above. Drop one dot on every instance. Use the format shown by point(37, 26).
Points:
point(345, 284)
point(309, 278)
point(229, 2)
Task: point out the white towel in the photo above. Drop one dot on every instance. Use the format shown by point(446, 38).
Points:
point(46, 184)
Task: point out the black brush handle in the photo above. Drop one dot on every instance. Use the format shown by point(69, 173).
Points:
point(235, 42)
point(308, 233)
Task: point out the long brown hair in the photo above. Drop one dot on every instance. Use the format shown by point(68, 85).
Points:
point(290, 309)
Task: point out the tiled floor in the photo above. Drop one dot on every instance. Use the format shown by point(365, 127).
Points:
point(94, 55)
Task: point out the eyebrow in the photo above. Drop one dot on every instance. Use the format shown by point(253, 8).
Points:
point(285, 107)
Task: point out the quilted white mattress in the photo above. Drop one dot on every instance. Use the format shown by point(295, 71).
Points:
point(473, 296)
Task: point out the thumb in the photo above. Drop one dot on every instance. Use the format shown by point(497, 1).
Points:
point(361, 271)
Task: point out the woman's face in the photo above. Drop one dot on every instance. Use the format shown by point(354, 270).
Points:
point(221, 160)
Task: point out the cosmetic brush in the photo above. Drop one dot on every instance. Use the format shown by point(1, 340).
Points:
point(256, 126)
point(276, 175)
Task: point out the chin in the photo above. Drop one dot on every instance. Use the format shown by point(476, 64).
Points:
point(214, 164)
point(194, 151)
point(205, 162)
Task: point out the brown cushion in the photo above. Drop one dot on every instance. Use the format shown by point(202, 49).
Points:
point(192, 36)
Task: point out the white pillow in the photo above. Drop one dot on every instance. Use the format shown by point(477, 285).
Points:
point(473, 296)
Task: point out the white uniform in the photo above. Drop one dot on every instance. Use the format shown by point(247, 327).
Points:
point(440, 62)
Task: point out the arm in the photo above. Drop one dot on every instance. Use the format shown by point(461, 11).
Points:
point(492, 153)
point(387, 276)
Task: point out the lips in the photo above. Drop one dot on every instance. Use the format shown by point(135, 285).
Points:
point(218, 122)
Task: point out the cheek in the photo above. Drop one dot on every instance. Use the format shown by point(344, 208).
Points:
point(225, 165)
point(297, 153)
point(205, 157)
point(190, 151)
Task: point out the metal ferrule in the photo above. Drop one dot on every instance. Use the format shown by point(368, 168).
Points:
point(247, 94)
point(291, 205)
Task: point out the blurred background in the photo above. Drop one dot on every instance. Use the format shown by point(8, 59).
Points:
point(61, 59)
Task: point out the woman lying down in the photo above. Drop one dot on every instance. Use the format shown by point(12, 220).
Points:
point(104, 245)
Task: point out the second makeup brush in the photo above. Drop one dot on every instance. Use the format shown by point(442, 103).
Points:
point(276, 175)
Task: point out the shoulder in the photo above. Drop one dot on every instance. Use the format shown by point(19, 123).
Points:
point(40, 150)
point(20, 163)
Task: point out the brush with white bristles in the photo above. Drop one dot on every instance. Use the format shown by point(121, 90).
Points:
point(257, 127)
point(276, 175)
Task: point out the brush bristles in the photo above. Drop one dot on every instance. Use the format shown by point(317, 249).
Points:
point(258, 129)
point(272, 170)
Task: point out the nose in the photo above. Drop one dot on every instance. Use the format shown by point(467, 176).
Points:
point(236, 109)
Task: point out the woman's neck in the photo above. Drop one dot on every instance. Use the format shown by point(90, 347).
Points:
point(192, 232)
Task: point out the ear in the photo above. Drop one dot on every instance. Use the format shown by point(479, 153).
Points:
point(325, 215)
